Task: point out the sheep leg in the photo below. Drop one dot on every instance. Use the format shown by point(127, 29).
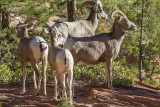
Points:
point(106, 73)
point(105, 79)
point(34, 80)
point(24, 79)
point(70, 77)
point(108, 67)
point(63, 84)
point(35, 67)
point(44, 63)
point(67, 84)
point(55, 83)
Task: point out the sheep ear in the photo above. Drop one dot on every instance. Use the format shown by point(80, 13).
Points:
point(98, 2)
point(46, 31)
point(30, 25)
point(120, 19)
point(98, 5)
point(54, 32)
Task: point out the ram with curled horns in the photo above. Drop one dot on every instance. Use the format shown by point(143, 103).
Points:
point(81, 28)
point(101, 48)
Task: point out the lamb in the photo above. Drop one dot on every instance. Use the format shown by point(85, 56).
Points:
point(31, 51)
point(81, 28)
point(101, 48)
point(61, 63)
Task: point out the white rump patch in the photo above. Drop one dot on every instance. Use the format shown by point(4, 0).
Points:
point(35, 46)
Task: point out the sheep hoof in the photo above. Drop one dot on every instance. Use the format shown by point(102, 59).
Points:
point(37, 93)
point(71, 102)
point(45, 94)
point(35, 90)
point(105, 84)
point(112, 88)
point(55, 98)
point(23, 92)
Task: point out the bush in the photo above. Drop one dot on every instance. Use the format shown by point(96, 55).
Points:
point(64, 102)
point(150, 81)
point(89, 73)
point(122, 74)
point(11, 73)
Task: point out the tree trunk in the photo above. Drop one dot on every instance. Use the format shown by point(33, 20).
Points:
point(5, 20)
point(140, 51)
point(0, 50)
point(71, 8)
point(0, 17)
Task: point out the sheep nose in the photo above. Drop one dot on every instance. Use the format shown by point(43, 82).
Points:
point(107, 17)
point(135, 28)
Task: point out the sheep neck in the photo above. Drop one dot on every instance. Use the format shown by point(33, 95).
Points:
point(93, 18)
point(25, 35)
point(53, 43)
point(118, 32)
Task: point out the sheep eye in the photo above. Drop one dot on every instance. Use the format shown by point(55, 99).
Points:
point(59, 36)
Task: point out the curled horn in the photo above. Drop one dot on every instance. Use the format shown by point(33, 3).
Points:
point(117, 12)
point(57, 31)
point(18, 18)
point(91, 3)
point(99, 2)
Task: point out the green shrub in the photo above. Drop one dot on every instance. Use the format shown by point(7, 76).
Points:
point(10, 70)
point(150, 81)
point(64, 102)
point(89, 73)
point(122, 74)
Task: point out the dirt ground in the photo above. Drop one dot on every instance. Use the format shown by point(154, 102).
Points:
point(85, 96)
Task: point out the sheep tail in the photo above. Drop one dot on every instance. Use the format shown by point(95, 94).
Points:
point(43, 46)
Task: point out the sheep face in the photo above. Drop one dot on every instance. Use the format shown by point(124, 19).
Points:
point(102, 15)
point(126, 24)
point(96, 8)
point(21, 30)
point(100, 11)
point(56, 37)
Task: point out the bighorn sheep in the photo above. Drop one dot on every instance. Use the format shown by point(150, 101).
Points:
point(31, 51)
point(101, 48)
point(61, 62)
point(81, 28)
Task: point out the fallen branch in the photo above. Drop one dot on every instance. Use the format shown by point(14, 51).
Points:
point(136, 100)
point(147, 85)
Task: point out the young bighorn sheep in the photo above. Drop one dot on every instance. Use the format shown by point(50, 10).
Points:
point(31, 51)
point(81, 28)
point(61, 63)
point(101, 48)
